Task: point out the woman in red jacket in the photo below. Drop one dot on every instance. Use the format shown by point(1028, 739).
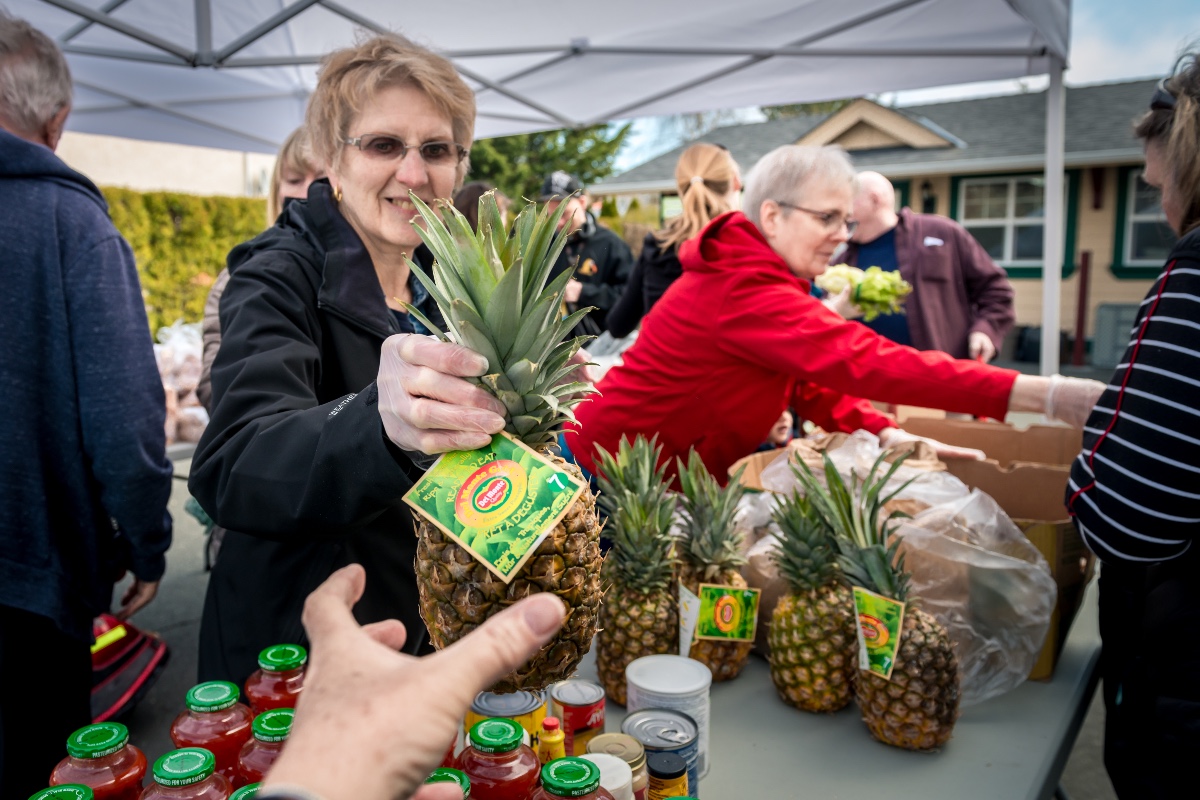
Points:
point(737, 339)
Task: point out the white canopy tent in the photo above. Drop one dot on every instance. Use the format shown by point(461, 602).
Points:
point(235, 73)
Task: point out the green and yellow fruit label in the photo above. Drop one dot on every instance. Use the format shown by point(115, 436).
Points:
point(880, 620)
point(727, 613)
point(498, 502)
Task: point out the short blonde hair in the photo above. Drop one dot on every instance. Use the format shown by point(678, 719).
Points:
point(296, 155)
point(704, 176)
point(350, 78)
point(786, 173)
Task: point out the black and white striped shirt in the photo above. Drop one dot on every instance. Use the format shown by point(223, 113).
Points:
point(1135, 489)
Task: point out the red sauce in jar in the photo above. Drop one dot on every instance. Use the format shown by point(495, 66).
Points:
point(101, 758)
point(216, 721)
point(571, 777)
point(271, 729)
point(187, 774)
point(498, 765)
point(279, 678)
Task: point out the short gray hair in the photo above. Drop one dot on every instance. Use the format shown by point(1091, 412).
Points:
point(786, 172)
point(35, 83)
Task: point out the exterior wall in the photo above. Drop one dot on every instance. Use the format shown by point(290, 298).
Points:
point(155, 166)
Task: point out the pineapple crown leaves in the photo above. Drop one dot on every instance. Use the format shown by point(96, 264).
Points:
point(806, 557)
point(713, 542)
point(634, 492)
point(494, 290)
point(862, 532)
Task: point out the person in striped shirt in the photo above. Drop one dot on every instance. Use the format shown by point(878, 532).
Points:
point(1135, 488)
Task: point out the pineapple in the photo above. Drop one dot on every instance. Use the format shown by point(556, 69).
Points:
point(711, 553)
point(917, 708)
point(639, 616)
point(491, 287)
point(813, 639)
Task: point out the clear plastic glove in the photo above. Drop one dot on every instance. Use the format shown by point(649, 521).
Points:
point(425, 404)
point(980, 347)
point(890, 437)
point(842, 305)
point(1070, 400)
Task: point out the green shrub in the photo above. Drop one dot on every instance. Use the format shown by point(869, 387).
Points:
point(180, 242)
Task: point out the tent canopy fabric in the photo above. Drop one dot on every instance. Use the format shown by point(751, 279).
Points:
point(236, 73)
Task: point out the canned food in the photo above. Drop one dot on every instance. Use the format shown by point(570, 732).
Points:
point(580, 706)
point(668, 776)
point(662, 730)
point(527, 709)
point(673, 682)
point(631, 751)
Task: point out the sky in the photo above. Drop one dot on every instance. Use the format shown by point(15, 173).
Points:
point(1111, 40)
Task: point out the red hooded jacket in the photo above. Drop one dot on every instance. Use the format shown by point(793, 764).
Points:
point(738, 338)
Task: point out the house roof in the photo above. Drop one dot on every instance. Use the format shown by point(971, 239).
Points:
point(991, 134)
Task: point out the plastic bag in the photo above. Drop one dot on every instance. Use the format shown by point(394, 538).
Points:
point(974, 570)
point(178, 354)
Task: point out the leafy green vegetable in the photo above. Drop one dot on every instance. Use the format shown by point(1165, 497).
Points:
point(873, 290)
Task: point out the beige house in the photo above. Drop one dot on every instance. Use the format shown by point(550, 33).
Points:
point(980, 162)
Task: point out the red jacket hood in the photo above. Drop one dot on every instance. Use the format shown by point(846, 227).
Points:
point(732, 242)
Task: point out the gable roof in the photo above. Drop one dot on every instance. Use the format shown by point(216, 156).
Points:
point(989, 134)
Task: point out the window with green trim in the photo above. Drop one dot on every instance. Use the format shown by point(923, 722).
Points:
point(1148, 237)
point(1005, 216)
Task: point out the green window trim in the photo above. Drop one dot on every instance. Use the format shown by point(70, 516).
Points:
point(1033, 271)
point(1121, 270)
point(903, 193)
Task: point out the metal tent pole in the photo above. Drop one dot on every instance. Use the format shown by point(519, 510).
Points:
point(1052, 239)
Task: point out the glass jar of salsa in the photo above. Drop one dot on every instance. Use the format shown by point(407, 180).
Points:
point(279, 678)
point(101, 758)
point(216, 721)
point(187, 774)
point(271, 729)
point(446, 775)
point(498, 765)
point(571, 777)
point(68, 791)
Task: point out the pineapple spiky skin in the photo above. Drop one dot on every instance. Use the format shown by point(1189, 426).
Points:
point(724, 659)
point(633, 624)
point(814, 649)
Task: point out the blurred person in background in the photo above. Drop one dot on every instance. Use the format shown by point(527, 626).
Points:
point(708, 182)
point(467, 201)
point(1134, 491)
point(84, 475)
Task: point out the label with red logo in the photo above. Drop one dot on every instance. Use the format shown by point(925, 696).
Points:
point(880, 620)
point(727, 613)
point(497, 502)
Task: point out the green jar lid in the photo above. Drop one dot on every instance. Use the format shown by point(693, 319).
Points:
point(273, 725)
point(98, 740)
point(497, 735)
point(67, 791)
point(212, 696)
point(282, 657)
point(245, 793)
point(570, 777)
point(447, 775)
point(184, 767)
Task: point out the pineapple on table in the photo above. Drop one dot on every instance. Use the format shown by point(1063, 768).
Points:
point(494, 290)
point(639, 615)
point(711, 552)
point(813, 639)
point(917, 707)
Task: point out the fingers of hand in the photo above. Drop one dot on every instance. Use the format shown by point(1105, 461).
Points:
point(452, 359)
point(438, 791)
point(390, 633)
point(965, 453)
point(327, 609)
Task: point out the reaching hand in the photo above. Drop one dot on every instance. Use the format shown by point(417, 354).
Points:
point(890, 437)
point(1070, 400)
point(136, 597)
point(424, 402)
point(842, 305)
point(980, 346)
point(372, 723)
point(574, 290)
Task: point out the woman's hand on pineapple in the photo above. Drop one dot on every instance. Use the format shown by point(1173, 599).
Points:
point(372, 723)
point(425, 403)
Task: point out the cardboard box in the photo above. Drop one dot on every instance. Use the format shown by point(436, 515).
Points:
point(1026, 473)
point(755, 463)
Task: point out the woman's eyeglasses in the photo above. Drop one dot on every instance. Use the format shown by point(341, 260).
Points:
point(832, 220)
point(383, 147)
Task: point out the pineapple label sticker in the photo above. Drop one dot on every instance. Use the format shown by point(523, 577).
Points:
point(879, 622)
point(724, 613)
point(498, 502)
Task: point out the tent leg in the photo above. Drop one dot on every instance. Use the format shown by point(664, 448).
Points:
point(1052, 241)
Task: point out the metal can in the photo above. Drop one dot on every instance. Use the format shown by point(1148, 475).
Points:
point(631, 751)
point(580, 706)
point(661, 730)
point(668, 776)
point(527, 709)
point(673, 682)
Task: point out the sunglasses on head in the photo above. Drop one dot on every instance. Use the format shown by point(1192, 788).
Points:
point(1162, 100)
point(385, 147)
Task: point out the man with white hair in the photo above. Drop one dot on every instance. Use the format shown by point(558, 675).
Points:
point(962, 302)
point(84, 478)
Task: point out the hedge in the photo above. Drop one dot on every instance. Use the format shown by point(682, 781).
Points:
point(180, 242)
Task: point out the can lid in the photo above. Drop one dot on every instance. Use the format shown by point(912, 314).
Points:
point(669, 675)
point(273, 725)
point(67, 791)
point(98, 740)
point(245, 793)
point(184, 767)
point(490, 705)
point(551, 724)
point(447, 775)
point(666, 765)
point(570, 777)
point(498, 735)
point(282, 657)
point(212, 696)
point(577, 693)
point(621, 745)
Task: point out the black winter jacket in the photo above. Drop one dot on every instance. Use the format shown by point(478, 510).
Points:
point(602, 263)
point(295, 462)
point(656, 269)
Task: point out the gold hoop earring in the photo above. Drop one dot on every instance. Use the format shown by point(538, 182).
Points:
point(337, 193)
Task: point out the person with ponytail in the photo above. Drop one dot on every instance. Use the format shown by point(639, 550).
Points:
point(709, 183)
